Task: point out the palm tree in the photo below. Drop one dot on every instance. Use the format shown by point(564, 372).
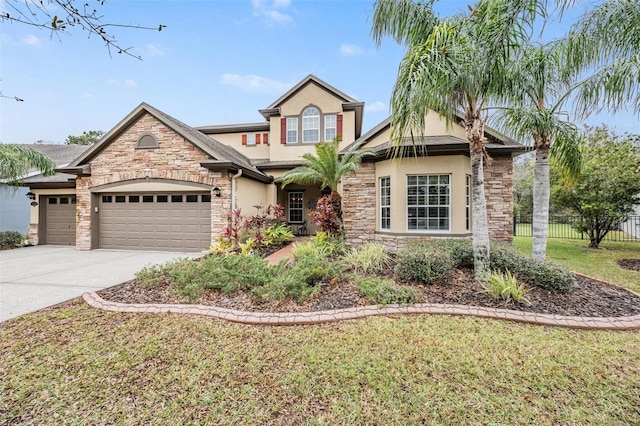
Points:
point(539, 87)
point(327, 168)
point(608, 38)
point(16, 162)
point(451, 66)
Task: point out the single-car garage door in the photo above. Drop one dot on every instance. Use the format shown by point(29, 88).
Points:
point(60, 222)
point(169, 222)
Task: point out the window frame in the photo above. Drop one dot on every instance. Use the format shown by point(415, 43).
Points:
point(333, 117)
point(292, 130)
point(300, 209)
point(311, 120)
point(251, 139)
point(383, 206)
point(428, 206)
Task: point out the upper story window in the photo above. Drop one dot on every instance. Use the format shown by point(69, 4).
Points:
point(147, 141)
point(330, 128)
point(251, 139)
point(292, 129)
point(311, 125)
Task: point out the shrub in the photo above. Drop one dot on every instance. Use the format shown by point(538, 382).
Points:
point(423, 262)
point(505, 286)
point(10, 238)
point(277, 234)
point(320, 245)
point(370, 258)
point(460, 250)
point(325, 216)
point(541, 274)
point(151, 276)
point(383, 291)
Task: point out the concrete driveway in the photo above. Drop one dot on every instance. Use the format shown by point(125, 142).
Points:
point(33, 278)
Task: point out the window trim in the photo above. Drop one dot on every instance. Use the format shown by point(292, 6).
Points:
point(468, 202)
point(251, 139)
point(449, 206)
point(383, 206)
point(305, 122)
point(290, 209)
point(294, 129)
point(144, 135)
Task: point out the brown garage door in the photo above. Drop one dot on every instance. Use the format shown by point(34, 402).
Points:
point(169, 222)
point(60, 223)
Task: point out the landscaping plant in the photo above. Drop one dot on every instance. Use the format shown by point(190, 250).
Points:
point(369, 259)
point(505, 286)
point(383, 291)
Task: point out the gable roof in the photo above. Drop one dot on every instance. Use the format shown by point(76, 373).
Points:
point(496, 141)
point(348, 103)
point(219, 152)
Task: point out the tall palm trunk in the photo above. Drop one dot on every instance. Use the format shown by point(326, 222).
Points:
point(541, 190)
point(481, 249)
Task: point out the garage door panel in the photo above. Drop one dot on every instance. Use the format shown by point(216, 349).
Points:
point(60, 220)
point(163, 222)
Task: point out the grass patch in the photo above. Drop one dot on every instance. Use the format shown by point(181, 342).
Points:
point(77, 365)
point(602, 264)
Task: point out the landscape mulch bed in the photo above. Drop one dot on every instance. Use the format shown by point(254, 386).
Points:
point(631, 264)
point(588, 298)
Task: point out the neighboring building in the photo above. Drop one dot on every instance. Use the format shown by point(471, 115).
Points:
point(14, 205)
point(153, 182)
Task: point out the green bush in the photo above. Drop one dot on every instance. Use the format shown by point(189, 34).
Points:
point(320, 245)
point(504, 258)
point(10, 239)
point(460, 250)
point(370, 258)
point(505, 286)
point(421, 261)
point(154, 275)
point(382, 291)
point(277, 234)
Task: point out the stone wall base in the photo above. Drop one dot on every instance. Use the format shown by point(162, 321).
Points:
point(32, 234)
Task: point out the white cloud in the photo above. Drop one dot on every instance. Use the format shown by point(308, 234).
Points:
point(153, 50)
point(377, 106)
point(32, 40)
point(122, 83)
point(254, 83)
point(273, 11)
point(351, 50)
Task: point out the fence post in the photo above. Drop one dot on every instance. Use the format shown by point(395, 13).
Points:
point(514, 226)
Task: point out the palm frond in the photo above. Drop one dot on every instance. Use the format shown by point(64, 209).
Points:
point(406, 21)
point(17, 161)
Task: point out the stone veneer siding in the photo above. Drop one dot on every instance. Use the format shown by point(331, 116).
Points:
point(359, 206)
point(175, 158)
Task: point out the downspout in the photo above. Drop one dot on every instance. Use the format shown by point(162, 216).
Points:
point(233, 190)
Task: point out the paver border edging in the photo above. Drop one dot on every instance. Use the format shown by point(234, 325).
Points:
point(318, 317)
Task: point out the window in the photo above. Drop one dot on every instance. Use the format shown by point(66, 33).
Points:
point(468, 203)
point(121, 198)
point(385, 203)
point(73, 200)
point(310, 125)
point(64, 200)
point(53, 200)
point(296, 207)
point(162, 198)
point(428, 202)
point(251, 139)
point(206, 198)
point(147, 198)
point(107, 198)
point(134, 198)
point(192, 198)
point(147, 141)
point(176, 198)
point(292, 129)
point(330, 128)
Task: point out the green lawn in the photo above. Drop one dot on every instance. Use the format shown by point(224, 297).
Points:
point(78, 365)
point(73, 364)
point(576, 256)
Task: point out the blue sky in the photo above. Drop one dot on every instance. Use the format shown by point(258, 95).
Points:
point(217, 62)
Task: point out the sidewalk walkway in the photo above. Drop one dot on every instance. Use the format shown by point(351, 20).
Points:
point(275, 258)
